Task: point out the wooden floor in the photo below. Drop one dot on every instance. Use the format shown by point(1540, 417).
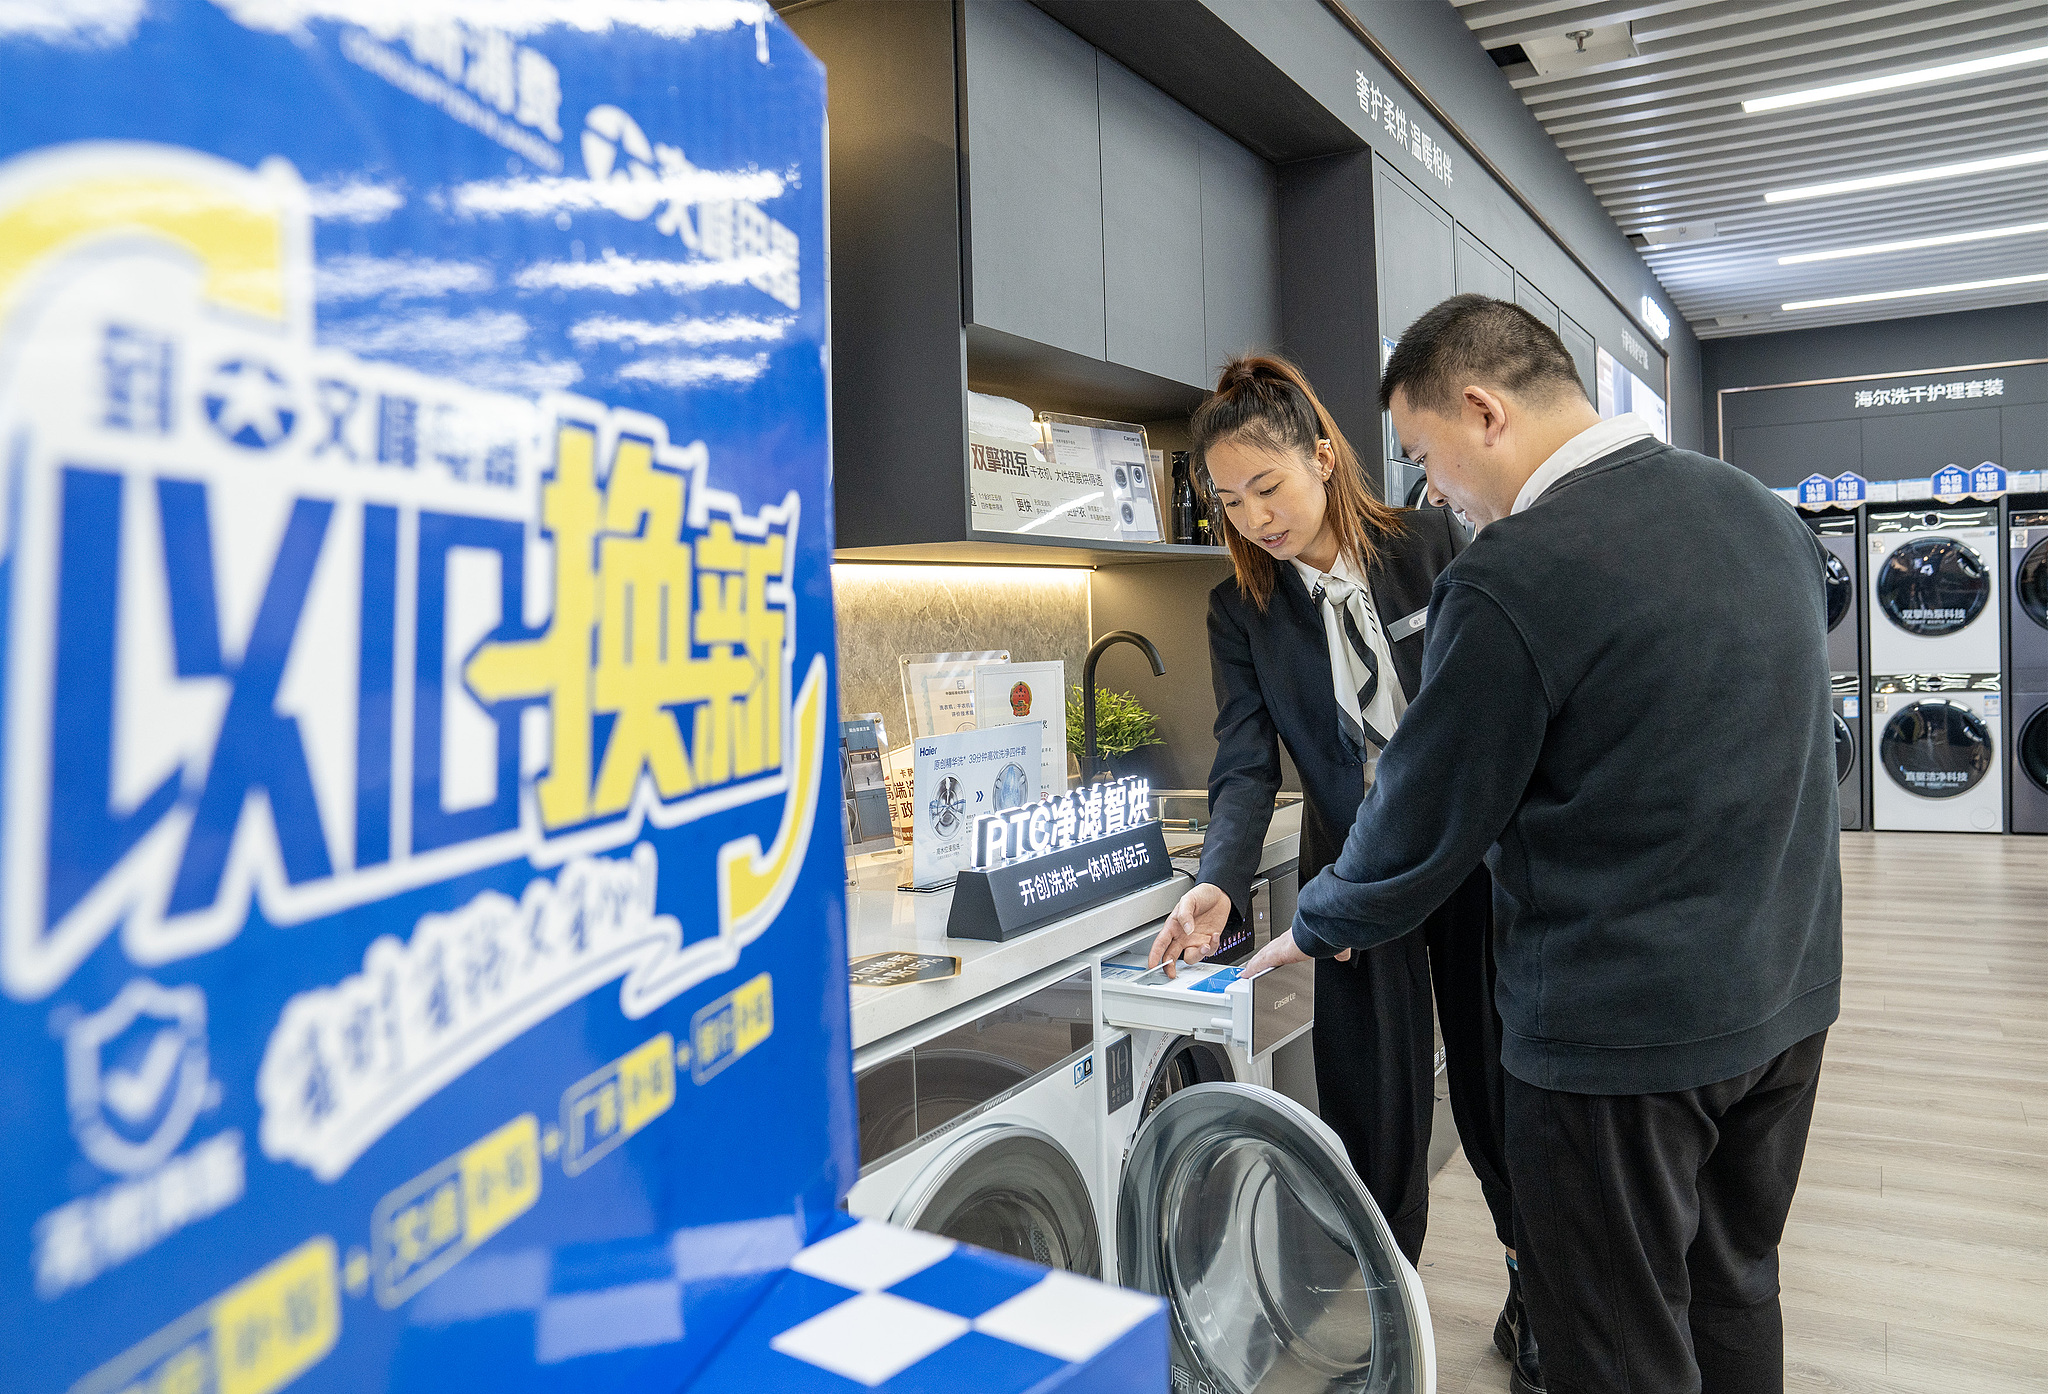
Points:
point(1917, 1254)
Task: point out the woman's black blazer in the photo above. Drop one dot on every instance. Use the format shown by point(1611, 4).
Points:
point(1272, 676)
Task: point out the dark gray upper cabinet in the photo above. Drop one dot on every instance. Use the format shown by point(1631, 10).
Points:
point(1579, 344)
point(1240, 251)
point(1033, 201)
point(1417, 266)
point(1480, 272)
point(1536, 302)
point(1152, 227)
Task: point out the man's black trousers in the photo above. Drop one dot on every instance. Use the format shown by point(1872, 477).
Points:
point(1376, 1059)
point(1650, 1227)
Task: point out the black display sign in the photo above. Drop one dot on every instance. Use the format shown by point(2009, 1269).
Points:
point(896, 969)
point(1007, 901)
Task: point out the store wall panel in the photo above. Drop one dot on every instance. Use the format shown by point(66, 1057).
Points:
point(1536, 303)
point(1417, 263)
point(1240, 251)
point(1034, 176)
point(2023, 431)
point(1781, 456)
point(1914, 447)
point(1329, 298)
point(1152, 227)
point(899, 416)
point(1480, 272)
point(1579, 344)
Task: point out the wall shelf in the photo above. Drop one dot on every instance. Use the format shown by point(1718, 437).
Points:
point(1006, 549)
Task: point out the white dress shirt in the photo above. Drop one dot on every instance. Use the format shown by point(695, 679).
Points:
point(1580, 451)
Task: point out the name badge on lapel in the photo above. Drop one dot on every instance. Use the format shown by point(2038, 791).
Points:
point(1407, 625)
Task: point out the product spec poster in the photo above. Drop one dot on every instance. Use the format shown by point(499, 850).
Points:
point(422, 959)
point(956, 779)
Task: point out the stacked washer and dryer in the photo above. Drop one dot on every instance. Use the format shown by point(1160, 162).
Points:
point(2028, 646)
point(1935, 665)
point(1105, 1118)
point(1841, 576)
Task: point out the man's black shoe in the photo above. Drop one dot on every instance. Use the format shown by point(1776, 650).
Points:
point(1517, 1343)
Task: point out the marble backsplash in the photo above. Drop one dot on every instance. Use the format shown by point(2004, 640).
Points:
point(884, 611)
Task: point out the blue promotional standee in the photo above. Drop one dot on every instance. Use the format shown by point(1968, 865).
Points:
point(423, 959)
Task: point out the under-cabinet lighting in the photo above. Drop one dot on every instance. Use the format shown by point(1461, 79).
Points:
point(1863, 87)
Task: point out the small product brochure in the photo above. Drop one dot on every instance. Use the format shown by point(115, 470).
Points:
point(956, 778)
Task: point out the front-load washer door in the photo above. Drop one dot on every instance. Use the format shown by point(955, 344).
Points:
point(1840, 587)
point(2034, 749)
point(1239, 1207)
point(1936, 749)
point(1845, 750)
point(1012, 1189)
point(1933, 586)
point(2031, 592)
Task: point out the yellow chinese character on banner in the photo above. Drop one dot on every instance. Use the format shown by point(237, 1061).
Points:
point(673, 639)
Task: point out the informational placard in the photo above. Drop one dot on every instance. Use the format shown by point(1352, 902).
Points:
point(1015, 486)
point(958, 778)
point(1011, 694)
point(938, 689)
point(418, 839)
point(1115, 454)
point(1032, 865)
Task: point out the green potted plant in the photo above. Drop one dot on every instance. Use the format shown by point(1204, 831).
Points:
point(1122, 726)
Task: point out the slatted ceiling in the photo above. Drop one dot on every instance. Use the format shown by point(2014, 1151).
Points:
point(1662, 140)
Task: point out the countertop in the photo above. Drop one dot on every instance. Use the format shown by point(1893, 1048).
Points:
point(882, 919)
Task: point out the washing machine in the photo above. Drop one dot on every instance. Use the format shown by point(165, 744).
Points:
point(1841, 575)
point(1851, 740)
point(1234, 1202)
point(1841, 584)
point(1933, 586)
point(1936, 742)
point(989, 1130)
point(2028, 639)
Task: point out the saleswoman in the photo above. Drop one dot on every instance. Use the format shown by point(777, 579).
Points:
point(1317, 642)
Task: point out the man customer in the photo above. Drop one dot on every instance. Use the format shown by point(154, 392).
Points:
point(1624, 711)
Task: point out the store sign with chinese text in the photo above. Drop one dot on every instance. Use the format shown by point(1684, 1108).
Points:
point(1056, 857)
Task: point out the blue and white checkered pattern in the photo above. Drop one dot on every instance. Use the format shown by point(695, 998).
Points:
point(873, 1307)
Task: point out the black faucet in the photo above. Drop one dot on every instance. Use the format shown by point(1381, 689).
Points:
point(1115, 636)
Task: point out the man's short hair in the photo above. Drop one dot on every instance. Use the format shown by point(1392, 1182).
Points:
point(1473, 339)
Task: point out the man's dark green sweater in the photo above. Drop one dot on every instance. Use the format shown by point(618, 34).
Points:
point(1625, 711)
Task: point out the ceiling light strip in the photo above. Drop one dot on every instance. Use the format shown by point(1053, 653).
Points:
point(1915, 244)
point(1864, 86)
point(1955, 289)
point(1989, 165)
